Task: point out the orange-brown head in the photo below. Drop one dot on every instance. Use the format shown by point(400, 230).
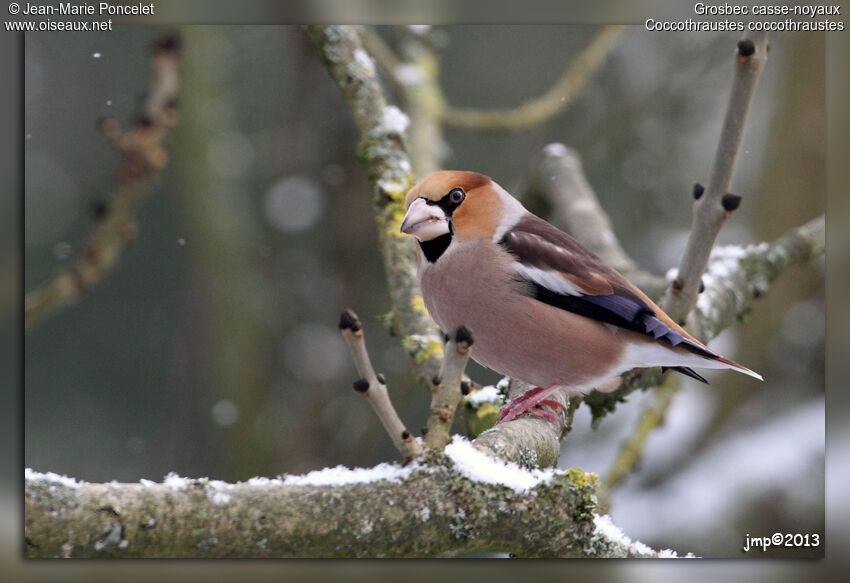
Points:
point(466, 205)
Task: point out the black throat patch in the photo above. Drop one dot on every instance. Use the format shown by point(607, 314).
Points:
point(434, 248)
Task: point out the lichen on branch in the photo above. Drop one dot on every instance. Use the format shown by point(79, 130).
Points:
point(457, 502)
point(383, 150)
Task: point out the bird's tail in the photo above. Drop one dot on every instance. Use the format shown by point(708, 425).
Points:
point(739, 367)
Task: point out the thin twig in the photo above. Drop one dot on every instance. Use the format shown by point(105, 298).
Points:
point(448, 389)
point(716, 204)
point(143, 157)
point(373, 387)
point(711, 209)
point(556, 100)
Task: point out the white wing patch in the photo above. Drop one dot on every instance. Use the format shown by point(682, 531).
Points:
point(512, 212)
point(551, 280)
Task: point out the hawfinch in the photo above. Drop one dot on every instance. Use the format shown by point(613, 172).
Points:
point(544, 310)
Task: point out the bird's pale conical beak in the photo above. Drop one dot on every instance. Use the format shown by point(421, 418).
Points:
point(425, 221)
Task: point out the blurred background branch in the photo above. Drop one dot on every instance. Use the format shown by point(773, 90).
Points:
point(143, 157)
point(560, 178)
point(557, 99)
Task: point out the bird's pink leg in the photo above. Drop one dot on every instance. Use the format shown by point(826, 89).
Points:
point(531, 401)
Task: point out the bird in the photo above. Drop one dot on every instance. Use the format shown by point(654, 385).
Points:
point(544, 309)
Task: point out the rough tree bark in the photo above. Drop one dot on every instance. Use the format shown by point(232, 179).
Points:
point(442, 503)
point(427, 509)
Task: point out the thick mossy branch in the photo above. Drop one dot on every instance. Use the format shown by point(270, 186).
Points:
point(143, 157)
point(422, 511)
point(383, 151)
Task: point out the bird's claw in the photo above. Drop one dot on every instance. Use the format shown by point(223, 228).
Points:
point(531, 402)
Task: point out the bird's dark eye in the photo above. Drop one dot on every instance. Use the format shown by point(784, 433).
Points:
point(456, 196)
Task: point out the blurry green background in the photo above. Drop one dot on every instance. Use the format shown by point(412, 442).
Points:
point(212, 349)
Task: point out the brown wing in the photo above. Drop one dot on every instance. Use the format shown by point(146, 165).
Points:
point(564, 274)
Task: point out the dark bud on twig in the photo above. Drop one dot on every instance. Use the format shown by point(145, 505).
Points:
point(424, 431)
point(436, 381)
point(361, 385)
point(701, 286)
point(349, 321)
point(730, 201)
point(746, 47)
point(677, 285)
point(698, 190)
point(463, 335)
point(144, 121)
point(445, 338)
point(381, 378)
point(464, 387)
point(405, 435)
point(99, 209)
point(167, 42)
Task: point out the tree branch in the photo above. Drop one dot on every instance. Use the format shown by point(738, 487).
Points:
point(143, 157)
point(530, 442)
point(374, 388)
point(735, 278)
point(418, 77)
point(383, 150)
point(651, 418)
point(710, 212)
point(556, 100)
point(560, 178)
point(433, 509)
point(715, 205)
point(448, 389)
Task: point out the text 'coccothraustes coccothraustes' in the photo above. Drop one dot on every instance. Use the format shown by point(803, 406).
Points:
point(544, 310)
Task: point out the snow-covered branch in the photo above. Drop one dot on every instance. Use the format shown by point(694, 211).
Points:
point(460, 501)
